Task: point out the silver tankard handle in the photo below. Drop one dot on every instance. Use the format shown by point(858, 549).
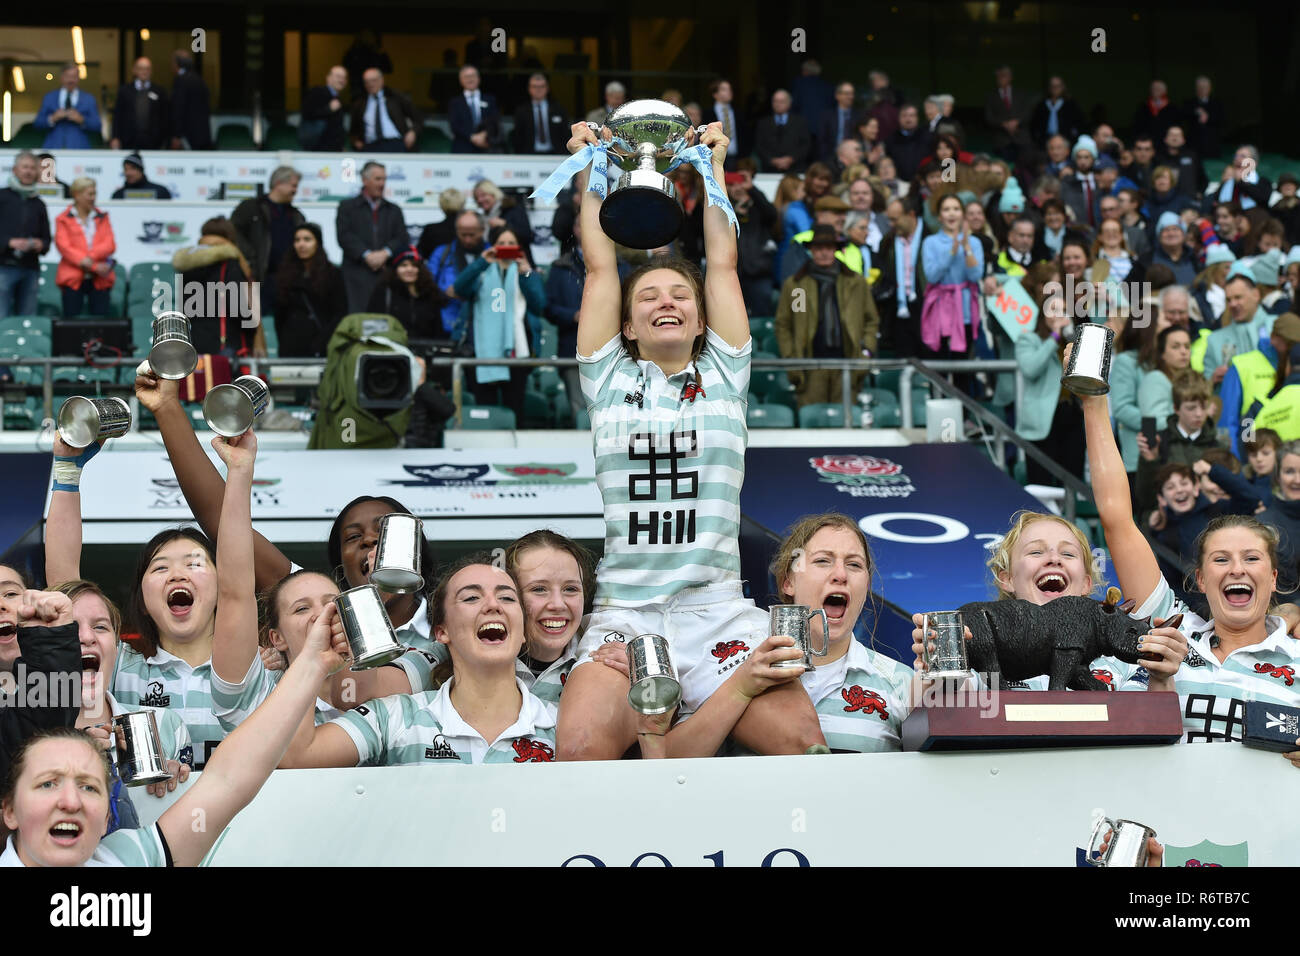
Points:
point(826, 633)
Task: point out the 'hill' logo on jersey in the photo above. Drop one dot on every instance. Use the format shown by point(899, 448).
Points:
point(1283, 673)
point(532, 751)
point(441, 750)
point(155, 697)
point(867, 701)
point(1194, 659)
point(725, 649)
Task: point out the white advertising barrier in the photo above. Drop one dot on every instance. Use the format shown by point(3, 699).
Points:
point(1028, 808)
point(477, 494)
point(199, 175)
point(151, 231)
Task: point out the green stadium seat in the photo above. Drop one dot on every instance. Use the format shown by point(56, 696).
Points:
point(272, 339)
point(760, 415)
point(919, 397)
point(827, 415)
point(282, 137)
point(140, 280)
point(27, 137)
point(23, 414)
point(887, 380)
point(433, 140)
point(24, 343)
point(766, 342)
point(117, 294)
point(548, 347)
point(546, 381)
point(761, 325)
point(489, 417)
point(539, 410)
point(234, 136)
point(49, 299)
point(40, 323)
point(885, 410)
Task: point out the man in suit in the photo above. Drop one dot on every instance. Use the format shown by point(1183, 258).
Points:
point(900, 289)
point(475, 119)
point(383, 121)
point(541, 127)
point(1242, 182)
point(1205, 119)
point(1057, 114)
point(321, 126)
point(909, 144)
point(190, 108)
point(782, 140)
point(69, 113)
point(1079, 186)
point(371, 230)
point(1006, 110)
point(615, 95)
point(141, 118)
point(838, 123)
point(723, 111)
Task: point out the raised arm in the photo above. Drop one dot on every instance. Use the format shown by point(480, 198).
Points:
point(1135, 563)
point(245, 759)
point(199, 479)
point(63, 526)
point(598, 317)
point(723, 300)
point(234, 643)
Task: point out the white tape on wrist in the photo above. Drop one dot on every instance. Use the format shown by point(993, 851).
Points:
point(67, 473)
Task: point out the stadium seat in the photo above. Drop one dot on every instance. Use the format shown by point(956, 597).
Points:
point(40, 323)
point(765, 341)
point(760, 415)
point(140, 280)
point(546, 381)
point(761, 325)
point(49, 299)
point(24, 343)
point(432, 140)
point(272, 340)
point(117, 294)
point(480, 417)
point(548, 347)
point(141, 330)
point(282, 137)
point(80, 379)
point(887, 380)
point(23, 414)
point(885, 410)
point(234, 136)
point(919, 397)
point(827, 415)
point(27, 137)
point(539, 410)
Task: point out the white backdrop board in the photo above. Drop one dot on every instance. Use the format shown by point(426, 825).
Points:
point(1028, 808)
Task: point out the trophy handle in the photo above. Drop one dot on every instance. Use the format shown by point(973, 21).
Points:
point(1093, 857)
point(826, 633)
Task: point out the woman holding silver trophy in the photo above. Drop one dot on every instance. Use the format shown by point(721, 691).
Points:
point(483, 714)
point(664, 360)
point(56, 800)
point(240, 682)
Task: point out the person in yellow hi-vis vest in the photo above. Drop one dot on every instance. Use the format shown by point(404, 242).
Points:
point(1253, 376)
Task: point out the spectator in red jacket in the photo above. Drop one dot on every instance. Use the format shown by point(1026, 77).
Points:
point(84, 239)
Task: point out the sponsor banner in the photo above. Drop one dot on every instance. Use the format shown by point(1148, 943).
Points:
point(433, 483)
point(931, 512)
point(1026, 808)
point(152, 231)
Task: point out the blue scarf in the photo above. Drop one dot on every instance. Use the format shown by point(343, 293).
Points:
point(494, 330)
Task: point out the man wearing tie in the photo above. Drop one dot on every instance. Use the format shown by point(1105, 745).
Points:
point(540, 126)
point(474, 117)
point(1007, 111)
point(724, 113)
point(838, 124)
point(141, 119)
point(383, 121)
point(1079, 187)
point(68, 113)
point(782, 141)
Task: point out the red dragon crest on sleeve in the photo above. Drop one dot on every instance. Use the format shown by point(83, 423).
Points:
point(867, 701)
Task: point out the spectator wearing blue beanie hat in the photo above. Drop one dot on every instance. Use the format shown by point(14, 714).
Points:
point(1171, 249)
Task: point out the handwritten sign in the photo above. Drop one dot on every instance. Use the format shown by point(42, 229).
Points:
point(1013, 307)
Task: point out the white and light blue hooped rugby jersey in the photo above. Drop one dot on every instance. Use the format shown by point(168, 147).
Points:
point(670, 461)
point(232, 703)
point(166, 681)
point(1214, 695)
point(425, 729)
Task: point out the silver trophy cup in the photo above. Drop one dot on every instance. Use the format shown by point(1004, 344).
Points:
point(655, 688)
point(1088, 371)
point(140, 758)
point(230, 410)
point(793, 621)
point(1127, 844)
point(397, 555)
point(944, 640)
point(643, 212)
point(84, 421)
point(367, 627)
point(172, 355)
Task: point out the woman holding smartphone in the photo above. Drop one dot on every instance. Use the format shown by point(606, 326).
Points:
point(505, 298)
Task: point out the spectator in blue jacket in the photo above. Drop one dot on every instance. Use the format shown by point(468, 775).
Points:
point(449, 261)
point(488, 283)
point(69, 113)
point(563, 300)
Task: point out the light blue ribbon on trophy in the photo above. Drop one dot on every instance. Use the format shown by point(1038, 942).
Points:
point(701, 157)
point(595, 156)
